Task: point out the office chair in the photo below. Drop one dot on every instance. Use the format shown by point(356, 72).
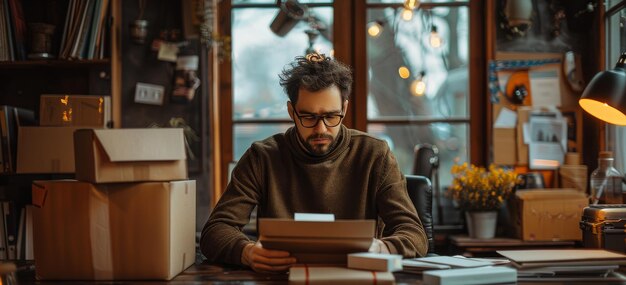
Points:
point(420, 193)
point(426, 163)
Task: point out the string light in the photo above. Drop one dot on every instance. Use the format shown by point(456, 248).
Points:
point(375, 28)
point(435, 39)
point(407, 14)
point(418, 87)
point(404, 72)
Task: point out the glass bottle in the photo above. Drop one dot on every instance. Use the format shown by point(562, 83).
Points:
point(606, 181)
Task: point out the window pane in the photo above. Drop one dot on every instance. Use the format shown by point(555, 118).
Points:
point(259, 56)
point(402, 54)
point(246, 134)
point(450, 139)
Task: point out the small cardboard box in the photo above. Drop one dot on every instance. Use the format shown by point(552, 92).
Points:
point(45, 150)
point(504, 146)
point(75, 110)
point(120, 231)
point(314, 242)
point(130, 155)
point(548, 214)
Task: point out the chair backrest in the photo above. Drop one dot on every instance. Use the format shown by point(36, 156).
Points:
point(425, 160)
point(421, 194)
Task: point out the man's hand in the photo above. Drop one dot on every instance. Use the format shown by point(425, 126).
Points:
point(266, 260)
point(378, 246)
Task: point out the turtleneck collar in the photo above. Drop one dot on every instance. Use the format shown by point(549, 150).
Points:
point(297, 148)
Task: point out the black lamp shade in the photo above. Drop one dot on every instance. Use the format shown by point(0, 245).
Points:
point(605, 96)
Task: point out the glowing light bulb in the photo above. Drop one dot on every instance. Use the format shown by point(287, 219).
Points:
point(411, 4)
point(418, 87)
point(404, 72)
point(407, 14)
point(374, 29)
point(435, 39)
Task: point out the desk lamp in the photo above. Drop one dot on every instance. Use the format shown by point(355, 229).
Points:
point(605, 96)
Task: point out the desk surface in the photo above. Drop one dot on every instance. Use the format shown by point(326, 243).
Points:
point(204, 273)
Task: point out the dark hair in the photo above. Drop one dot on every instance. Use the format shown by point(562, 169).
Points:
point(316, 72)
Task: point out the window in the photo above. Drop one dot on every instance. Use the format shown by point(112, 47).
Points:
point(418, 80)
point(616, 45)
point(387, 68)
point(259, 55)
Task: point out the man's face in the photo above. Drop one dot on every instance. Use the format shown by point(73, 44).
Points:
point(319, 138)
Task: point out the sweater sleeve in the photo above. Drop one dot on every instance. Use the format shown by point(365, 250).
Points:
point(404, 233)
point(222, 239)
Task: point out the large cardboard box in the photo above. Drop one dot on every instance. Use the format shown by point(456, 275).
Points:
point(45, 150)
point(119, 231)
point(75, 110)
point(130, 155)
point(548, 215)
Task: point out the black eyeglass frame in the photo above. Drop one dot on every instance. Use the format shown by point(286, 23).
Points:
point(318, 118)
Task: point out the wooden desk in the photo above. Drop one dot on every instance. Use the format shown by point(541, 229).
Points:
point(488, 247)
point(204, 273)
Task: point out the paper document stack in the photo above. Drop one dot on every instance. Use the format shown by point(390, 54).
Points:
point(567, 264)
point(470, 276)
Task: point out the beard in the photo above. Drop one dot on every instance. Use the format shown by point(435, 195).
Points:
point(319, 149)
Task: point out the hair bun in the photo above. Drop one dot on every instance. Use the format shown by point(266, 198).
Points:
point(316, 57)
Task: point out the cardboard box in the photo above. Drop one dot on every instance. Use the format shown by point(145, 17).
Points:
point(45, 150)
point(120, 231)
point(75, 110)
point(130, 155)
point(548, 214)
point(313, 242)
point(317, 275)
point(504, 146)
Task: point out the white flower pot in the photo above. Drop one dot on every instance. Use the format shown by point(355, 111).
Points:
point(481, 224)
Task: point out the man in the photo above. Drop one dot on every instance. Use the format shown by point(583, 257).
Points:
point(317, 166)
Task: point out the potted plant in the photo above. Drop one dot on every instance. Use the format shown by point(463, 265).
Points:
point(480, 192)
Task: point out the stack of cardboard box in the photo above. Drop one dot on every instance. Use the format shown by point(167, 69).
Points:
point(130, 215)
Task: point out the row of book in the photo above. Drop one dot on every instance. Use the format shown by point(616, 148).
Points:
point(16, 231)
point(84, 34)
point(12, 31)
point(11, 118)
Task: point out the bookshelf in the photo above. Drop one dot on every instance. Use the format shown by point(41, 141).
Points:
point(24, 79)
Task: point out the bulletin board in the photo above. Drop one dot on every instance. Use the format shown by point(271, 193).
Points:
point(540, 76)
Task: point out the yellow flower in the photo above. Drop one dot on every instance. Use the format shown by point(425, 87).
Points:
point(479, 189)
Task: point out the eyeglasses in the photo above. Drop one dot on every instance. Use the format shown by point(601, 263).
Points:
point(310, 120)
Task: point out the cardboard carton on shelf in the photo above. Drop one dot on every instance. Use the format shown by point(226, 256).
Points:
point(547, 214)
point(130, 155)
point(45, 150)
point(75, 110)
point(120, 231)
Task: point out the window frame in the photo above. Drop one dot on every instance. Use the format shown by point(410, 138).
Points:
point(350, 18)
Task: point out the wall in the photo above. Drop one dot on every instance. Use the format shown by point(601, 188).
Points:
point(140, 64)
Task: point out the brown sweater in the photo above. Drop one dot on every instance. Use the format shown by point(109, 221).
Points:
point(358, 179)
